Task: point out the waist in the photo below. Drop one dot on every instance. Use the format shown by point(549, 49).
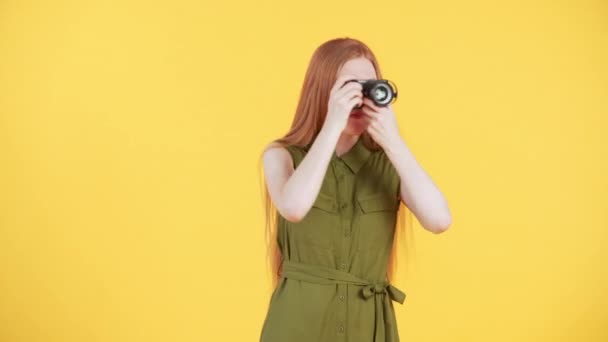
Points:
point(381, 291)
point(320, 274)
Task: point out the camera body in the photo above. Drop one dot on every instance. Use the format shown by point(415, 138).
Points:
point(382, 92)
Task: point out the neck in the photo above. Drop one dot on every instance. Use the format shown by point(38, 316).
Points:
point(345, 143)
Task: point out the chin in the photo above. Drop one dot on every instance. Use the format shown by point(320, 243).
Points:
point(355, 128)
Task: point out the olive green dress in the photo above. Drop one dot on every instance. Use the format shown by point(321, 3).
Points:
point(333, 284)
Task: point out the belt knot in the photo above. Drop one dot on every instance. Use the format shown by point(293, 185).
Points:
point(383, 287)
point(385, 321)
point(377, 288)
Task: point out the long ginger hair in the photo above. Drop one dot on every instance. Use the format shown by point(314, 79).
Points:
point(310, 113)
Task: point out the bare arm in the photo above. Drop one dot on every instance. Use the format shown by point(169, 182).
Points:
point(293, 192)
point(418, 190)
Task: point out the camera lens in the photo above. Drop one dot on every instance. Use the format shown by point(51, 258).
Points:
point(381, 93)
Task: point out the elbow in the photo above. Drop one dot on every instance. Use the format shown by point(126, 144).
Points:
point(441, 224)
point(294, 218)
point(292, 214)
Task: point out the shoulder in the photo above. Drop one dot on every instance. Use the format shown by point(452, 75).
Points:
point(391, 171)
point(379, 159)
point(275, 154)
point(385, 164)
point(278, 154)
point(384, 158)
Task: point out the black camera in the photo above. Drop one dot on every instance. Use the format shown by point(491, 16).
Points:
point(381, 92)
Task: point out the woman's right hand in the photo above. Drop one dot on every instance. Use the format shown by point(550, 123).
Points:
point(342, 99)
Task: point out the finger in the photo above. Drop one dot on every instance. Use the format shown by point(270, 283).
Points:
point(341, 80)
point(373, 127)
point(355, 101)
point(368, 110)
point(350, 86)
point(347, 97)
point(353, 93)
point(369, 102)
point(357, 97)
point(371, 116)
point(372, 131)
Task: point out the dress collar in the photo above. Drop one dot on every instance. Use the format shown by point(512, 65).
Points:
point(353, 158)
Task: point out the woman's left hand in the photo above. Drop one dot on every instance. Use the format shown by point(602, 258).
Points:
point(382, 124)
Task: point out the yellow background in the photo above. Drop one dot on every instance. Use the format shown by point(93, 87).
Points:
point(130, 135)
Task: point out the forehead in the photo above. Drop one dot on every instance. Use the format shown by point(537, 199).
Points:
point(360, 67)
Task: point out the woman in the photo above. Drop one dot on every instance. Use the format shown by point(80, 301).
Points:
point(337, 180)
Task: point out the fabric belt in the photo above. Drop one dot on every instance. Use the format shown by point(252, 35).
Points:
point(383, 292)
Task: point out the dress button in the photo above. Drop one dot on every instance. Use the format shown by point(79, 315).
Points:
point(341, 328)
point(341, 297)
point(343, 265)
